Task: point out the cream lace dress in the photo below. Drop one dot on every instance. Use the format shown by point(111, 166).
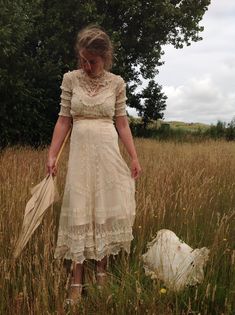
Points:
point(98, 206)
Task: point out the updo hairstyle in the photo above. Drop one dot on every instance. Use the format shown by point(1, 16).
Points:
point(96, 41)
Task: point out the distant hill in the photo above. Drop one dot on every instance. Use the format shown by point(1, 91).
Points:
point(177, 124)
point(182, 131)
point(191, 126)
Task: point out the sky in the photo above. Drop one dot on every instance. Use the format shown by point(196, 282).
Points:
point(199, 80)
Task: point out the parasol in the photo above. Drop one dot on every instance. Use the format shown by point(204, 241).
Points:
point(44, 195)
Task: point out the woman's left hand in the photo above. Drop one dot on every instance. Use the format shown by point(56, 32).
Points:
point(135, 168)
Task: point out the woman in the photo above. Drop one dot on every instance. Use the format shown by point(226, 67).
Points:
point(98, 207)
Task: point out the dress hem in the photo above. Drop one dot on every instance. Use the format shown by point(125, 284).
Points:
point(64, 253)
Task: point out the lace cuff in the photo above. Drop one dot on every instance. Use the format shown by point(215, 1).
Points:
point(66, 95)
point(120, 105)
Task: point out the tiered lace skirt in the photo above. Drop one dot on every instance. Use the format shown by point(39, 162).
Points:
point(98, 206)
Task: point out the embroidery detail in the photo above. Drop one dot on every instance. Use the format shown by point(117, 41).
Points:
point(94, 86)
point(103, 96)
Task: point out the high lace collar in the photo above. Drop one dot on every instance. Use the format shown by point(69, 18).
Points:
point(98, 80)
point(93, 86)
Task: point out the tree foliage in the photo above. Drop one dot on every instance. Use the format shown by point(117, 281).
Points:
point(37, 46)
point(154, 102)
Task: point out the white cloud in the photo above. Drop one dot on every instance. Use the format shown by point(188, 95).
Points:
point(199, 80)
point(132, 111)
point(199, 101)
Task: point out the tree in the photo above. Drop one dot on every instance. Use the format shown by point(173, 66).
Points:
point(230, 130)
point(154, 102)
point(37, 40)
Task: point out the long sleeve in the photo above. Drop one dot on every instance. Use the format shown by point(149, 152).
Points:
point(120, 105)
point(66, 95)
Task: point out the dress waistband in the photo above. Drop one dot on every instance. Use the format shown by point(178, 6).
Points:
point(108, 119)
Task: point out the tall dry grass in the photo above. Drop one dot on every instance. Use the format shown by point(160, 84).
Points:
point(188, 188)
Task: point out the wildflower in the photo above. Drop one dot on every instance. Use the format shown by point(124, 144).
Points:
point(162, 291)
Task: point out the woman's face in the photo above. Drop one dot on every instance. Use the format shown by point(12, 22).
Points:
point(91, 63)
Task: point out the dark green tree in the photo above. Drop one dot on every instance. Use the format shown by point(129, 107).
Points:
point(230, 130)
point(217, 131)
point(37, 46)
point(154, 103)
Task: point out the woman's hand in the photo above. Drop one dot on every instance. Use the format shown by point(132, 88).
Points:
point(135, 168)
point(51, 167)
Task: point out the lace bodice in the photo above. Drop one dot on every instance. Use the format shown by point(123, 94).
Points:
point(81, 95)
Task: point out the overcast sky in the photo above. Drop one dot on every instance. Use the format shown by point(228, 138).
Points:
point(199, 80)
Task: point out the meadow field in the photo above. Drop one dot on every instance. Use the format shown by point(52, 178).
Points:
point(188, 188)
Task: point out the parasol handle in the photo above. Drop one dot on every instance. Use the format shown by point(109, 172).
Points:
point(63, 144)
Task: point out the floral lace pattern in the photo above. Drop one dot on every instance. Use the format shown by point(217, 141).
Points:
point(93, 86)
point(81, 95)
point(78, 243)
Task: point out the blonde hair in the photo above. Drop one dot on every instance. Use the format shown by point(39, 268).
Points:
point(94, 39)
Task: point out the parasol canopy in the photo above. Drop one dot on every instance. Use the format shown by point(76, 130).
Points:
point(44, 195)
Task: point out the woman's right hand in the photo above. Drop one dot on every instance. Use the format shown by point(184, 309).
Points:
point(51, 167)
